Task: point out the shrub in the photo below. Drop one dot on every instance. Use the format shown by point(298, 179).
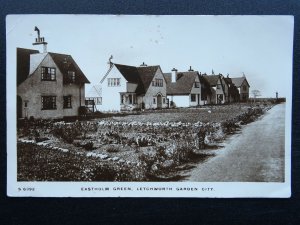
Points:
point(89, 146)
point(112, 149)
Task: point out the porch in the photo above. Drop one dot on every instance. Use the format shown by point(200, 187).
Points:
point(128, 101)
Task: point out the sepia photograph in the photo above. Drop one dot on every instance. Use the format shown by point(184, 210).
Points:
point(149, 106)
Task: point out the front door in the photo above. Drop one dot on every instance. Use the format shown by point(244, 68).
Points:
point(159, 101)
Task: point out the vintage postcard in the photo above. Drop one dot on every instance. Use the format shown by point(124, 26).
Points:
point(149, 106)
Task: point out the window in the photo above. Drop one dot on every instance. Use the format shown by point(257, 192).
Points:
point(193, 97)
point(48, 73)
point(71, 76)
point(220, 97)
point(154, 100)
point(197, 84)
point(48, 102)
point(25, 104)
point(157, 83)
point(164, 101)
point(245, 88)
point(67, 102)
point(218, 86)
point(113, 82)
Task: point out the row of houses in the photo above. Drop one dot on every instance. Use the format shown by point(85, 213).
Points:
point(52, 85)
point(125, 87)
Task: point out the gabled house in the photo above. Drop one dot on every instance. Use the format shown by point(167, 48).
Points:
point(186, 89)
point(219, 89)
point(233, 92)
point(243, 87)
point(128, 87)
point(49, 85)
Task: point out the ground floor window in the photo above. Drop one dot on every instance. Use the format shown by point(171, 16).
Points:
point(164, 100)
point(220, 98)
point(203, 97)
point(48, 102)
point(67, 102)
point(193, 97)
point(154, 100)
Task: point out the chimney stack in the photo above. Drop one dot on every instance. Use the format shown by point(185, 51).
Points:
point(191, 69)
point(144, 64)
point(110, 63)
point(174, 75)
point(40, 40)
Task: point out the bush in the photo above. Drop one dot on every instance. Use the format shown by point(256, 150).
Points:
point(112, 149)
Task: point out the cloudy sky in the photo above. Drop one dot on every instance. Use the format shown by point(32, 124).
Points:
point(258, 46)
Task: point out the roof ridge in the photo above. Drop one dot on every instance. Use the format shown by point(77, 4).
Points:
point(106, 74)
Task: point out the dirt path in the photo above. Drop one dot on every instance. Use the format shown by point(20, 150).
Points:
point(255, 154)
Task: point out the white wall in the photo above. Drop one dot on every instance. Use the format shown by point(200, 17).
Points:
point(180, 100)
point(111, 95)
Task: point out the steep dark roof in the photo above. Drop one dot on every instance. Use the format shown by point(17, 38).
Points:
point(63, 62)
point(168, 77)
point(184, 83)
point(146, 75)
point(232, 89)
point(66, 63)
point(238, 81)
point(140, 75)
point(212, 79)
point(23, 63)
point(228, 80)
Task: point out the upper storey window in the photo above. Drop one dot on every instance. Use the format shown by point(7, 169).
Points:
point(114, 82)
point(48, 73)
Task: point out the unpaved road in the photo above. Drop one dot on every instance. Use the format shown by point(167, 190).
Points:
point(255, 154)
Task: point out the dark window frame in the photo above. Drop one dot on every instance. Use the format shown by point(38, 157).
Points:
point(67, 102)
point(48, 73)
point(71, 76)
point(197, 84)
point(113, 82)
point(157, 82)
point(48, 102)
point(193, 97)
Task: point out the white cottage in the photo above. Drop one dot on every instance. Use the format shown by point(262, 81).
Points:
point(186, 89)
point(128, 87)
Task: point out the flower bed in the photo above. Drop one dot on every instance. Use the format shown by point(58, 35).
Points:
point(124, 150)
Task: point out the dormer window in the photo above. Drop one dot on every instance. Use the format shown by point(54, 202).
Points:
point(197, 84)
point(71, 76)
point(48, 73)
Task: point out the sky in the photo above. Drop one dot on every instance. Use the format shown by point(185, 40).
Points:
point(261, 47)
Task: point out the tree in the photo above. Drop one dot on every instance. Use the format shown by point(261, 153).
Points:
point(255, 94)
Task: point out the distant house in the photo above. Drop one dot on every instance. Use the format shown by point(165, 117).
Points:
point(128, 87)
point(93, 98)
point(49, 85)
point(233, 92)
point(186, 89)
point(219, 89)
point(243, 87)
